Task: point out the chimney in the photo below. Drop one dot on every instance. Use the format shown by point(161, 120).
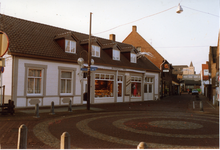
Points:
point(134, 28)
point(112, 37)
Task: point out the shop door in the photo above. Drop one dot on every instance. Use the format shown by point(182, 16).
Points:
point(120, 89)
point(148, 91)
point(85, 92)
point(120, 92)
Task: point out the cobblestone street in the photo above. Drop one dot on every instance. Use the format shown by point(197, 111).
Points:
point(168, 123)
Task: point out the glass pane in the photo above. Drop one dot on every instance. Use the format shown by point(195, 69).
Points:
point(31, 72)
point(102, 76)
point(145, 88)
point(119, 89)
point(150, 88)
point(103, 88)
point(67, 46)
point(145, 79)
point(68, 86)
point(97, 53)
point(119, 78)
point(97, 76)
point(112, 77)
point(37, 85)
point(30, 86)
point(62, 86)
point(135, 89)
point(73, 46)
point(66, 74)
point(107, 76)
point(37, 73)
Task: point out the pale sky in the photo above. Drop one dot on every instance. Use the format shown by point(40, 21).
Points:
point(179, 38)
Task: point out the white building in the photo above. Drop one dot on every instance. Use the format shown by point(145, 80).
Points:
point(41, 67)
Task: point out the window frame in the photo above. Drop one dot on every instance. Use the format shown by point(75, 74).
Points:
point(96, 49)
point(136, 79)
point(43, 69)
point(133, 58)
point(71, 41)
point(115, 53)
point(73, 76)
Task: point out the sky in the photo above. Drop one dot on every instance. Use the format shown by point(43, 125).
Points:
point(179, 38)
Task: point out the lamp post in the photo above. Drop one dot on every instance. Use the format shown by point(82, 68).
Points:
point(90, 61)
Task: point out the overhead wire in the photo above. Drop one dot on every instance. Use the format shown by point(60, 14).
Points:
point(135, 20)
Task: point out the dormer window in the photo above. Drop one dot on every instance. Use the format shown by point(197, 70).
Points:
point(95, 51)
point(133, 58)
point(116, 55)
point(70, 46)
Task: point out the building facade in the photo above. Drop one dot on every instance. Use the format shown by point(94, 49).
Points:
point(41, 67)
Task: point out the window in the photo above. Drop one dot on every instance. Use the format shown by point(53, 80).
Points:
point(136, 86)
point(139, 48)
point(34, 81)
point(66, 82)
point(70, 46)
point(133, 58)
point(104, 84)
point(116, 54)
point(95, 51)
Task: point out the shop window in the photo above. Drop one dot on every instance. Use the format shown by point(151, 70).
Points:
point(136, 86)
point(95, 51)
point(34, 81)
point(104, 85)
point(70, 46)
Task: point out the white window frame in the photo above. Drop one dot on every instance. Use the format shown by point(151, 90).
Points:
point(116, 54)
point(96, 50)
point(60, 85)
point(66, 79)
point(34, 77)
point(133, 58)
point(72, 46)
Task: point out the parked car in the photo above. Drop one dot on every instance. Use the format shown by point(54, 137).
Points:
point(195, 92)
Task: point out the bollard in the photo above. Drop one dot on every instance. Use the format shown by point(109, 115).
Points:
point(70, 107)
point(142, 145)
point(201, 106)
point(193, 104)
point(65, 141)
point(52, 108)
point(36, 111)
point(22, 137)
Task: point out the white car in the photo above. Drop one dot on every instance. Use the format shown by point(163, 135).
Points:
point(195, 92)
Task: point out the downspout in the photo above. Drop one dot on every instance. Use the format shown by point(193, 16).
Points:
point(161, 78)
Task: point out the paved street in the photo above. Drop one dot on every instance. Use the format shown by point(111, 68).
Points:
point(168, 123)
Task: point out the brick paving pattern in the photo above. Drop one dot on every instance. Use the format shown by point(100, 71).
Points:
point(168, 123)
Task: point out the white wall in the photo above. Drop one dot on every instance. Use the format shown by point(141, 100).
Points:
point(7, 77)
point(52, 80)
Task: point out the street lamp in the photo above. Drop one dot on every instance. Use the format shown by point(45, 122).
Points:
point(90, 61)
point(179, 9)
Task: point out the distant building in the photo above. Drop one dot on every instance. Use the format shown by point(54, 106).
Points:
point(213, 73)
point(167, 81)
point(205, 78)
